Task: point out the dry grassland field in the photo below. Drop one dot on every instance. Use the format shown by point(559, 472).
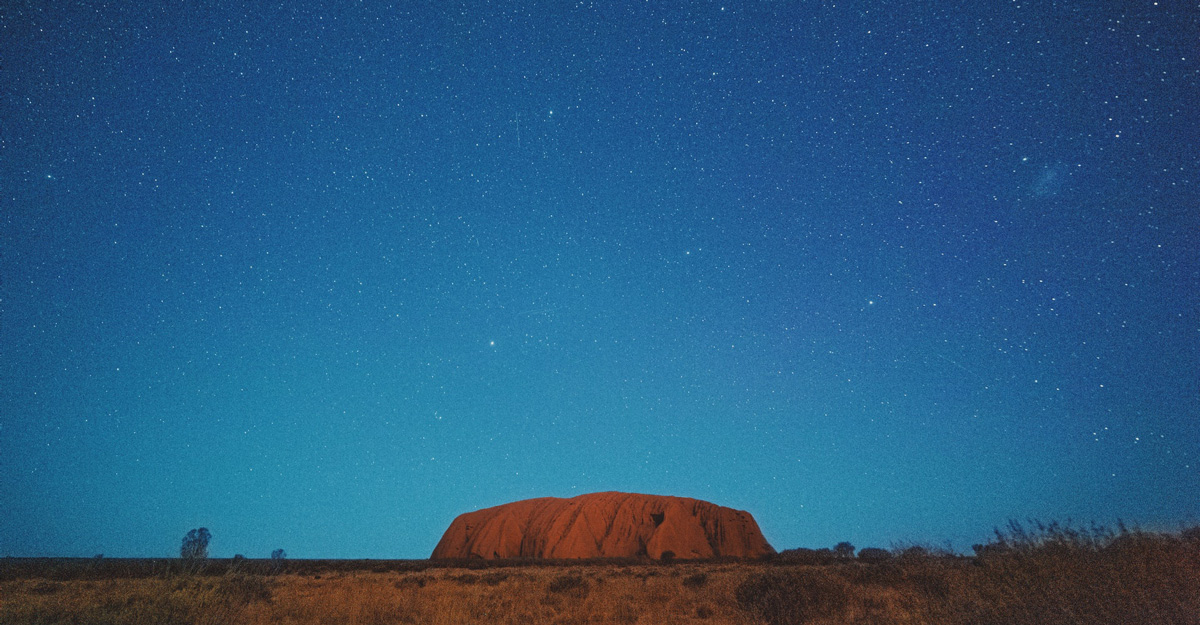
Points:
point(1050, 577)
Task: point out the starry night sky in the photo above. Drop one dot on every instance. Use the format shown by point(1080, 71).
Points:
point(321, 278)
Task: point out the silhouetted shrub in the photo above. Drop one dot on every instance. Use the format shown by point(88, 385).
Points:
point(696, 580)
point(792, 598)
point(195, 544)
point(988, 550)
point(667, 557)
point(843, 550)
point(874, 554)
point(801, 555)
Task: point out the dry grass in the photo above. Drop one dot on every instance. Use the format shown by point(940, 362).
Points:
point(525, 596)
point(1051, 575)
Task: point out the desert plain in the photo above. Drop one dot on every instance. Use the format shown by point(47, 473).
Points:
point(1046, 575)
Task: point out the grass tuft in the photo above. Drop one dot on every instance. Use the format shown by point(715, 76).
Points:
point(569, 583)
point(793, 597)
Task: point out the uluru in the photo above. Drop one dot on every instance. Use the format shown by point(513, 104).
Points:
point(604, 525)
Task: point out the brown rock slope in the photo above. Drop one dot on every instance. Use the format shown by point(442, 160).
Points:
point(603, 525)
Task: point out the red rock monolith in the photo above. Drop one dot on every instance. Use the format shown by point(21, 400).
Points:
point(604, 525)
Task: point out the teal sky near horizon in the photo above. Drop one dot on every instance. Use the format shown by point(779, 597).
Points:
point(323, 277)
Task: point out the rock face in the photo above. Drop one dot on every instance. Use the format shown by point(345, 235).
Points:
point(604, 525)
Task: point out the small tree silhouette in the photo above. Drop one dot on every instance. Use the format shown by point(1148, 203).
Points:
point(278, 554)
point(873, 554)
point(195, 544)
point(843, 550)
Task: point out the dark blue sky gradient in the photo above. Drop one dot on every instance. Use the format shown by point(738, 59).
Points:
point(322, 278)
